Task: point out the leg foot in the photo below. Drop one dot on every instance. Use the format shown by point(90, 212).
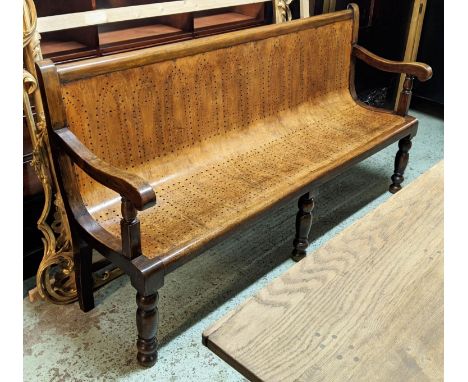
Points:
point(83, 260)
point(147, 318)
point(401, 161)
point(303, 225)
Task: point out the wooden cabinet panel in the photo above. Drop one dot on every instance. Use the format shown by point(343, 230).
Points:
point(102, 39)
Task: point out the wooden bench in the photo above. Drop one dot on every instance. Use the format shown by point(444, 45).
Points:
point(220, 130)
point(367, 306)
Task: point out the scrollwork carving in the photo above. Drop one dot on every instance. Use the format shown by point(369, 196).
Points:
point(55, 277)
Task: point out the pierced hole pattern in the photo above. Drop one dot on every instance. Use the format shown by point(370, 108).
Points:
point(222, 134)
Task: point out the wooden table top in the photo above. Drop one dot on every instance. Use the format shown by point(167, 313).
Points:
point(367, 306)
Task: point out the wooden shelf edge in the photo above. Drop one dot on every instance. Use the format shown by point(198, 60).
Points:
point(135, 12)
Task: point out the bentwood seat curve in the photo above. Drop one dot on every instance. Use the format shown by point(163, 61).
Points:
point(213, 186)
point(204, 137)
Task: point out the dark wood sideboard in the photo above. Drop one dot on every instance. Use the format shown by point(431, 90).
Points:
point(98, 40)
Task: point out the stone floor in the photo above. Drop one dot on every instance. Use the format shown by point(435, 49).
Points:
point(63, 344)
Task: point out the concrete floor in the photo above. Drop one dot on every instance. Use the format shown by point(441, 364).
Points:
point(63, 344)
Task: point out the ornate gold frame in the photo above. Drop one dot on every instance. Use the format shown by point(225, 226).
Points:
point(55, 277)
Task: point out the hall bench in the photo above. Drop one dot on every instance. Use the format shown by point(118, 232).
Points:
point(222, 130)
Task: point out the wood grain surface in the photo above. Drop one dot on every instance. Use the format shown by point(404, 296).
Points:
point(221, 18)
point(135, 33)
point(367, 306)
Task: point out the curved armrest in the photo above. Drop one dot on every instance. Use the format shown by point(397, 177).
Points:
point(422, 71)
point(130, 186)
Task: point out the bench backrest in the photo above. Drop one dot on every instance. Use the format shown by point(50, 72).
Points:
point(134, 107)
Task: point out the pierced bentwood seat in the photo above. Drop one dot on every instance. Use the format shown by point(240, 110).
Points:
point(206, 189)
point(221, 130)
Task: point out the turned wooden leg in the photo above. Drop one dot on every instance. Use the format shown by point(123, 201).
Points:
point(147, 318)
point(303, 225)
point(401, 161)
point(83, 259)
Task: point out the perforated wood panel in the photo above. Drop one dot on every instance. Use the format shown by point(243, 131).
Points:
point(222, 134)
point(148, 112)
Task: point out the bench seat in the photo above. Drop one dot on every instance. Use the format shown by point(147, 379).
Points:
point(224, 182)
point(162, 153)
